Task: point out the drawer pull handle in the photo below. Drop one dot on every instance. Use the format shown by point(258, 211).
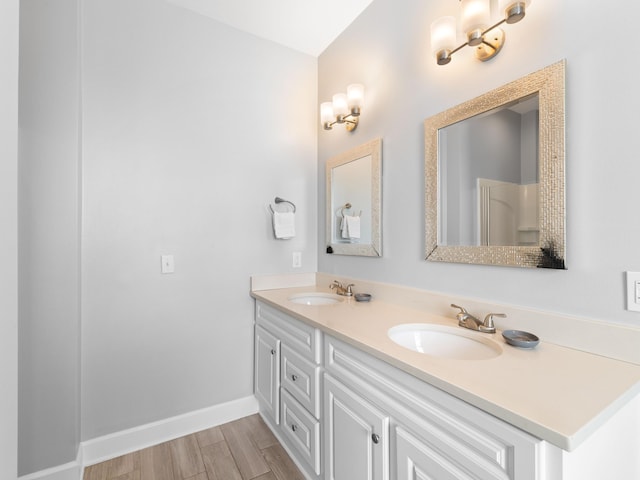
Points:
point(273, 352)
point(294, 377)
point(375, 438)
point(294, 427)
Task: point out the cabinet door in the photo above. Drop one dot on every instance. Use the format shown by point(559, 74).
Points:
point(416, 460)
point(267, 373)
point(356, 435)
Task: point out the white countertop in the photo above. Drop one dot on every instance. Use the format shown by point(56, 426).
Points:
point(555, 393)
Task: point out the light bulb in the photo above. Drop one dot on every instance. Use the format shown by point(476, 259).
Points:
point(340, 105)
point(443, 38)
point(355, 96)
point(475, 18)
point(326, 113)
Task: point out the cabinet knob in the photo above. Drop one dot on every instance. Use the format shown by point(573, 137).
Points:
point(294, 377)
point(375, 438)
point(294, 427)
point(273, 352)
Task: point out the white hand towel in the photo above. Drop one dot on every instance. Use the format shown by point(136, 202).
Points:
point(344, 228)
point(284, 225)
point(353, 226)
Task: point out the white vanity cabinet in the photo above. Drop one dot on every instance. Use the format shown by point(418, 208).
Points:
point(287, 383)
point(424, 432)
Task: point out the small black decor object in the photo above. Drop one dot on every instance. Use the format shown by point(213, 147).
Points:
point(329, 249)
point(548, 258)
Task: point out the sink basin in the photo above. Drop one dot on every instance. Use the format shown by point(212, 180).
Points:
point(316, 298)
point(446, 342)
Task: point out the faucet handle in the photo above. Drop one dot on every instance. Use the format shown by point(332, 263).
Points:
point(462, 309)
point(349, 290)
point(488, 326)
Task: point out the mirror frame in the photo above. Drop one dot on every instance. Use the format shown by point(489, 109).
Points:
point(549, 84)
point(373, 249)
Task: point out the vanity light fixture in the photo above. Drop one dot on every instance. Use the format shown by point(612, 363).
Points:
point(475, 17)
point(344, 109)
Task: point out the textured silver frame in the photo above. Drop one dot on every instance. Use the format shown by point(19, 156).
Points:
point(374, 249)
point(549, 83)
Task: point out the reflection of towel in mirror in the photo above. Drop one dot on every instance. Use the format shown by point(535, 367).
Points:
point(350, 227)
point(284, 225)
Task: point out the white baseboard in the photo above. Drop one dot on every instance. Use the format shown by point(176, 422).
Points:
point(115, 444)
point(120, 443)
point(68, 471)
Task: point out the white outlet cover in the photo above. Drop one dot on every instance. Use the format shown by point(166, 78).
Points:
point(633, 284)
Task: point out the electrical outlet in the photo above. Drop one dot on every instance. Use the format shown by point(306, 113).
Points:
point(167, 264)
point(297, 259)
point(633, 291)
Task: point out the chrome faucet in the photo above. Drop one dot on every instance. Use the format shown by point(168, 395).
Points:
point(341, 289)
point(466, 320)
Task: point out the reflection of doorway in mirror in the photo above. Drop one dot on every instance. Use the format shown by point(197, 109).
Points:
point(507, 213)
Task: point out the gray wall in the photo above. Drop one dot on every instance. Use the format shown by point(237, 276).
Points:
point(190, 129)
point(49, 252)
point(387, 49)
point(187, 129)
point(9, 14)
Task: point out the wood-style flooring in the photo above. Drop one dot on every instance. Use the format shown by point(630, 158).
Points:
point(241, 450)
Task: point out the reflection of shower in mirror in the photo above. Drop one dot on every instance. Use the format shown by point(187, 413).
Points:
point(507, 213)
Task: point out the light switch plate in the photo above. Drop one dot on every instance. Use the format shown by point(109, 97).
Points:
point(297, 259)
point(633, 291)
point(167, 264)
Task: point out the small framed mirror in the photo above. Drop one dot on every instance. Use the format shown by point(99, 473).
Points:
point(494, 176)
point(353, 216)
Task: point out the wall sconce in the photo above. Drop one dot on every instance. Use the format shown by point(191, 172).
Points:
point(345, 108)
point(475, 18)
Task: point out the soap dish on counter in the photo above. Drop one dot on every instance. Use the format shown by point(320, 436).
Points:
point(521, 339)
point(362, 297)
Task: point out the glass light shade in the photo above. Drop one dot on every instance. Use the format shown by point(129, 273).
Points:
point(340, 104)
point(355, 95)
point(476, 15)
point(443, 34)
point(513, 10)
point(326, 113)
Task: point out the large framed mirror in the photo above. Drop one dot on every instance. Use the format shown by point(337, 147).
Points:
point(495, 176)
point(353, 201)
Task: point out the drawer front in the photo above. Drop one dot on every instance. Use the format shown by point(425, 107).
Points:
point(303, 338)
point(301, 379)
point(302, 430)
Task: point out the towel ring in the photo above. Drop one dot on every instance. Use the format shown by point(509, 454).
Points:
point(347, 206)
point(278, 200)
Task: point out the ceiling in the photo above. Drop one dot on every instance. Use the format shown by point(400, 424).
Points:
point(308, 26)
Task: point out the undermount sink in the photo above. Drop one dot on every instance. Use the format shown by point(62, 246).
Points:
point(443, 341)
point(315, 298)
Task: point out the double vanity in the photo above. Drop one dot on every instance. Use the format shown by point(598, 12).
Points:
point(378, 390)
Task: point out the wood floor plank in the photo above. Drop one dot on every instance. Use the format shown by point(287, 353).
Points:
point(187, 460)
point(266, 476)
point(156, 463)
point(259, 432)
point(281, 464)
point(247, 456)
point(200, 476)
point(99, 471)
point(124, 464)
point(134, 475)
point(209, 436)
point(219, 462)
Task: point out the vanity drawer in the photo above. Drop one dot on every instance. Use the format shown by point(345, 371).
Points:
point(303, 338)
point(301, 379)
point(301, 429)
